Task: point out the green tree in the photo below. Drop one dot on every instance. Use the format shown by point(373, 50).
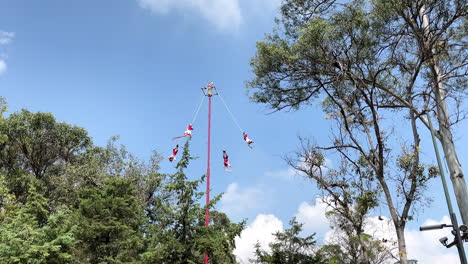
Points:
point(334, 254)
point(350, 191)
point(178, 231)
point(29, 234)
point(3, 110)
point(430, 36)
point(109, 223)
point(64, 200)
point(412, 53)
point(219, 239)
point(119, 162)
point(36, 143)
point(290, 248)
point(336, 53)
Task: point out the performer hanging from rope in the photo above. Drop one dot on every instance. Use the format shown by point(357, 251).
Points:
point(227, 166)
point(247, 139)
point(174, 153)
point(187, 132)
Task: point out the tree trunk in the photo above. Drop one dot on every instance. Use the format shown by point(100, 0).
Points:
point(445, 137)
point(400, 230)
point(364, 250)
point(445, 134)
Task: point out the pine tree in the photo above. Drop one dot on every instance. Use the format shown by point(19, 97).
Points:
point(29, 234)
point(179, 234)
point(110, 220)
point(290, 248)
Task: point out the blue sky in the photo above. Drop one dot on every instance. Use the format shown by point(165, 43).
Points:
point(134, 68)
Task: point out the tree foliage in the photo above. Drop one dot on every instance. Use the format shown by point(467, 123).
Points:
point(350, 190)
point(29, 234)
point(110, 221)
point(290, 248)
point(181, 233)
point(65, 200)
point(393, 55)
point(368, 62)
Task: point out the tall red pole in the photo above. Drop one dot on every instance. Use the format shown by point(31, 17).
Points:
point(207, 211)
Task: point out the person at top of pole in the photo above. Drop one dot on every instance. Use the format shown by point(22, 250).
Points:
point(227, 166)
point(174, 153)
point(209, 88)
point(187, 132)
point(247, 139)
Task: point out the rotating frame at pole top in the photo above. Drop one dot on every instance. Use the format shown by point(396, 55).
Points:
point(210, 90)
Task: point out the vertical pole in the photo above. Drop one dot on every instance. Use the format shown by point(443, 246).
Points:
point(207, 211)
point(456, 173)
point(453, 217)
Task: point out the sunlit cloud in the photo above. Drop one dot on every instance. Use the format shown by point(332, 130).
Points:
point(3, 66)
point(236, 200)
point(223, 14)
point(313, 216)
point(260, 230)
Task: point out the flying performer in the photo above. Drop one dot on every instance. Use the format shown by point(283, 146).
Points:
point(227, 166)
point(247, 139)
point(187, 133)
point(174, 153)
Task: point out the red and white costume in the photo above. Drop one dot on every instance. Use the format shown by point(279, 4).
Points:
point(187, 132)
point(174, 153)
point(247, 139)
point(227, 166)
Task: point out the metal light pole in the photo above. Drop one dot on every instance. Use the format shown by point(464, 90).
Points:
point(455, 229)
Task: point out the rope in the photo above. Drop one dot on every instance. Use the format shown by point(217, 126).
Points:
point(232, 116)
point(195, 114)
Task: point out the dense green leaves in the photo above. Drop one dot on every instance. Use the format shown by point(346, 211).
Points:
point(29, 235)
point(109, 221)
point(180, 233)
point(64, 200)
point(36, 142)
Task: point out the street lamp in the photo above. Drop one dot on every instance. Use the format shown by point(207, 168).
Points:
point(460, 233)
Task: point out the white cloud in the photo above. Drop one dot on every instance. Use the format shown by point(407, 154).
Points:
point(313, 216)
point(3, 66)
point(263, 227)
point(422, 246)
point(224, 14)
point(287, 174)
point(425, 246)
point(236, 200)
point(6, 37)
point(260, 230)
